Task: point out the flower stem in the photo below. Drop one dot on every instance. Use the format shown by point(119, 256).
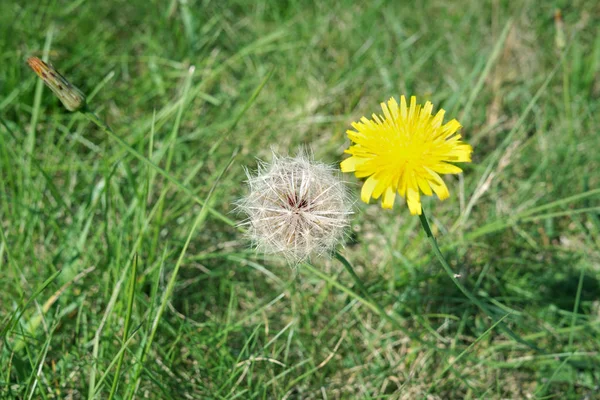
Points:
point(393, 318)
point(366, 298)
point(352, 273)
point(464, 290)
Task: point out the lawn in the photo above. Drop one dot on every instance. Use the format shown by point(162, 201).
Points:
point(125, 273)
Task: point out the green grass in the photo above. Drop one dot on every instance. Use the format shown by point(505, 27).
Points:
point(123, 274)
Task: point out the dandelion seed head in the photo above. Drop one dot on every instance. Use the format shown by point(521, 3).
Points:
point(296, 207)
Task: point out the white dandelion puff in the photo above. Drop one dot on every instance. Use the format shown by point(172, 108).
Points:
point(296, 207)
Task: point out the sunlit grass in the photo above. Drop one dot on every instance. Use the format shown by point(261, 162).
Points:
point(124, 274)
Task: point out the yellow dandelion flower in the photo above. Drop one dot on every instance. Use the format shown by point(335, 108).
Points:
point(403, 152)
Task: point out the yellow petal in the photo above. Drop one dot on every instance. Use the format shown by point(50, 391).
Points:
point(436, 122)
point(384, 183)
point(414, 201)
point(426, 112)
point(349, 164)
point(424, 185)
point(386, 112)
point(393, 106)
point(449, 128)
point(445, 168)
point(462, 152)
point(402, 183)
point(363, 171)
point(388, 198)
point(413, 107)
point(355, 136)
point(367, 189)
point(438, 185)
point(390, 120)
point(403, 109)
point(358, 125)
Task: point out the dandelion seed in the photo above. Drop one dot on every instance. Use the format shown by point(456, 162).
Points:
point(72, 98)
point(403, 152)
point(296, 207)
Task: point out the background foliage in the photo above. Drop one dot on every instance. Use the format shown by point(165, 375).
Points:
point(90, 235)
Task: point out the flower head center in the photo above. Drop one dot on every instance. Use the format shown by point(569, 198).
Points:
point(296, 203)
point(402, 154)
